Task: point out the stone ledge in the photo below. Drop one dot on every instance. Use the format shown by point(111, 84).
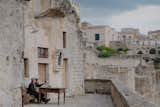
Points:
point(123, 97)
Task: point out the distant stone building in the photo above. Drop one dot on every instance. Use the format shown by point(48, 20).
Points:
point(130, 37)
point(154, 35)
point(11, 52)
point(52, 45)
point(98, 34)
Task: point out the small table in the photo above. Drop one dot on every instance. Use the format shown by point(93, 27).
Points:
point(52, 90)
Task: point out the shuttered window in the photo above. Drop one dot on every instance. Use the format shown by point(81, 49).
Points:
point(97, 37)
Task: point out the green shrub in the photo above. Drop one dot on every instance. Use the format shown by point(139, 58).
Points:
point(101, 48)
point(105, 52)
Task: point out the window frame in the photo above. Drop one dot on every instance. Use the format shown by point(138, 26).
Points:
point(42, 52)
point(64, 39)
point(97, 36)
point(26, 67)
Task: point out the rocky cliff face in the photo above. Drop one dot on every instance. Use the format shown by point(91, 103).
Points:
point(11, 49)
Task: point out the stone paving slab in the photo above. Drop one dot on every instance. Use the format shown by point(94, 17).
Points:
point(81, 101)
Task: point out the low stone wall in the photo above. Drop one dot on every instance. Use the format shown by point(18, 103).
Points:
point(121, 95)
point(98, 86)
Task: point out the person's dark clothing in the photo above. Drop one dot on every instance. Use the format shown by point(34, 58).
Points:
point(32, 91)
point(31, 88)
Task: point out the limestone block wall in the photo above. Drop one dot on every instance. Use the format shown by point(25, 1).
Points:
point(99, 86)
point(145, 82)
point(122, 68)
point(11, 52)
point(75, 56)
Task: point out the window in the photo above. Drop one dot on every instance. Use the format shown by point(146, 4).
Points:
point(42, 52)
point(64, 39)
point(152, 51)
point(97, 37)
point(124, 36)
point(26, 68)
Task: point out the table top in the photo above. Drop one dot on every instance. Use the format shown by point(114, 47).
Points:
point(52, 88)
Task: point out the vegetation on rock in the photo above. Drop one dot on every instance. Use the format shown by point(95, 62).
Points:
point(105, 52)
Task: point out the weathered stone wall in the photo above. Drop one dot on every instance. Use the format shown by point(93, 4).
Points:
point(122, 68)
point(145, 81)
point(75, 56)
point(11, 49)
point(97, 86)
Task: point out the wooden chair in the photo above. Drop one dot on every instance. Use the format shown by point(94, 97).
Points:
point(27, 98)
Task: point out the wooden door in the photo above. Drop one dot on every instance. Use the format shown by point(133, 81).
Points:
point(65, 61)
point(42, 69)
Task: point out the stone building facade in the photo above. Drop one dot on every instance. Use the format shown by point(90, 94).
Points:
point(52, 45)
point(11, 52)
point(154, 35)
point(98, 34)
point(130, 37)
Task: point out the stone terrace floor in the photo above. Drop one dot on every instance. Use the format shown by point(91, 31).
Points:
point(89, 100)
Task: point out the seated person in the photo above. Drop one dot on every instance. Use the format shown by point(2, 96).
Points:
point(32, 91)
